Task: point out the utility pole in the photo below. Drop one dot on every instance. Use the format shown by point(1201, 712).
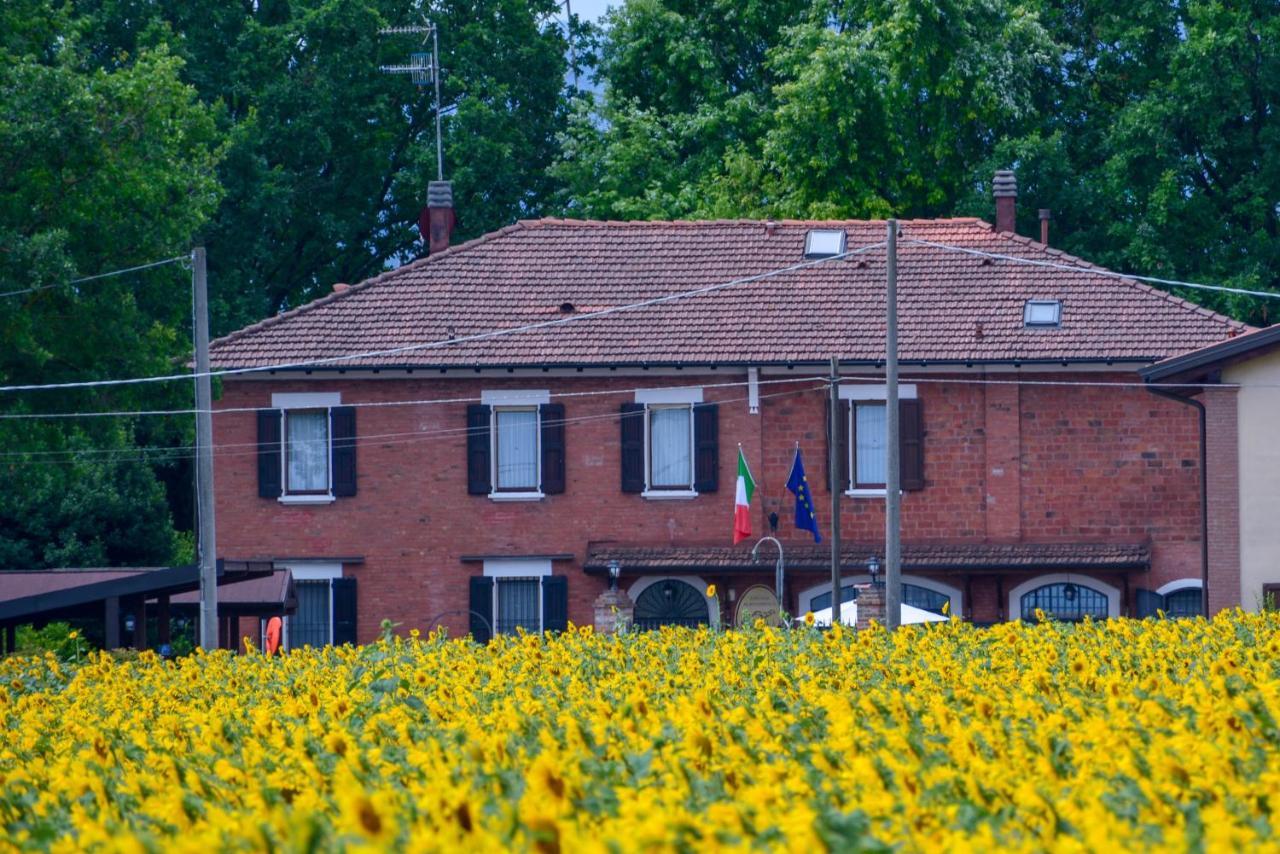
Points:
point(833, 466)
point(206, 543)
point(893, 478)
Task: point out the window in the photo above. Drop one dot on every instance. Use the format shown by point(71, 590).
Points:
point(670, 444)
point(1187, 602)
point(306, 449)
point(1065, 601)
point(922, 593)
point(515, 449)
point(821, 243)
point(1181, 598)
point(517, 594)
point(670, 447)
point(1042, 312)
point(326, 607)
point(865, 439)
point(670, 602)
point(515, 446)
point(869, 462)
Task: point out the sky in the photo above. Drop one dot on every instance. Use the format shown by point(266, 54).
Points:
point(591, 10)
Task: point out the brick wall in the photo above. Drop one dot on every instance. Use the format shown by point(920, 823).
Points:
point(1222, 469)
point(1074, 464)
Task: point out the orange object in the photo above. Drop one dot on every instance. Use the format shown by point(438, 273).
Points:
point(275, 626)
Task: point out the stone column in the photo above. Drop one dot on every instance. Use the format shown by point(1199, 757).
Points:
point(870, 605)
point(614, 609)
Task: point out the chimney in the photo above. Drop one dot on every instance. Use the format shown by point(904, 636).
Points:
point(1006, 193)
point(436, 222)
point(1045, 216)
point(339, 287)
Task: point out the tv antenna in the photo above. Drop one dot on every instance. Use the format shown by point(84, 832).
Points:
point(423, 69)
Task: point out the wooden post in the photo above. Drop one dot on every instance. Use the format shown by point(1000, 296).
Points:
point(833, 461)
point(140, 624)
point(162, 620)
point(893, 478)
point(111, 622)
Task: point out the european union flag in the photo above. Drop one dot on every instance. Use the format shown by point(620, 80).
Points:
point(806, 518)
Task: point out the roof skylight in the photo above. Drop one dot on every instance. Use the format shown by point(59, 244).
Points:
point(1042, 312)
point(824, 243)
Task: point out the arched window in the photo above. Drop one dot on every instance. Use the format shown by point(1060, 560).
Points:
point(670, 602)
point(1065, 600)
point(913, 594)
point(1182, 598)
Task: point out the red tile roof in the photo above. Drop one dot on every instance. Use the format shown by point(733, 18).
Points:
point(952, 306)
point(967, 557)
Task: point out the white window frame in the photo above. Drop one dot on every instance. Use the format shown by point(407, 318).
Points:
point(1016, 594)
point(866, 393)
point(806, 596)
point(307, 571)
point(514, 400)
point(302, 402)
point(1180, 584)
point(673, 398)
point(517, 569)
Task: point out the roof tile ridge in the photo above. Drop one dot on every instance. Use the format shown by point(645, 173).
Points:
point(1074, 260)
point(334, 296)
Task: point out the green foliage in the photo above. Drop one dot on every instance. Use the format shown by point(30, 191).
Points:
point(328, 162)
point(1148, 127)
point(101, 168)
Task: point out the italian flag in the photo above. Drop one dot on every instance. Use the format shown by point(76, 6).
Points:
point(742, 502)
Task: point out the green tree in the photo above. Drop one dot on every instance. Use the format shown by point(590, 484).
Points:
point(100, 168)
point(327, 170)
point(1160, 152)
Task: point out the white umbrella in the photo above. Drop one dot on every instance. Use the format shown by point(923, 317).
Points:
point(849, 615)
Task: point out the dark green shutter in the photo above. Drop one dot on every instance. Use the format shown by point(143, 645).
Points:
point(342, 421)
point(269, 465)
point(552, 418)
point(344, 611)
point(632, 447)
point(555, 603)
point(479, 479)
point(1146, 602)
point(911, 445)
point(706, 447)
point(481, 616)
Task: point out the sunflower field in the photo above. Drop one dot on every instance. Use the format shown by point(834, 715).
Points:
point(1118, 734)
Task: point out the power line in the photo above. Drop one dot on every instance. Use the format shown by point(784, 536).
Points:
point(132, 413)
point(463, 339)
point(819, 378)
point(95, 278)
point(28, 416)
point(188, 451)
point(1093, 271)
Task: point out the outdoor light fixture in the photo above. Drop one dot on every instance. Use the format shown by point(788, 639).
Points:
point(128, 623)
point(873, 567)
point(615, 570)
point(1069, 592)
point(668, 590)
point(773, 523)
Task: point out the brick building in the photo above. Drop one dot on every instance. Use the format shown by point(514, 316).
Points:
point(450, 476)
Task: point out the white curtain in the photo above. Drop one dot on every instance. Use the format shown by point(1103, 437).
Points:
point(518, 605)
point(869, 450)
point(670, 443)
point(308, 451)
point(517, 449)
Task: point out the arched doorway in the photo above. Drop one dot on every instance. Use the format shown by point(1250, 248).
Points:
point(670, 602)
